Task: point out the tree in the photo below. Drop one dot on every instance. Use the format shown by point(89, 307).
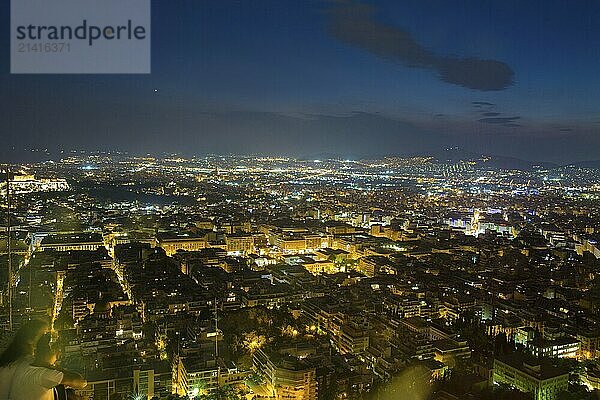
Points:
point(176, 397)
point(254, 341)
point(578, 392)
point(226, 392)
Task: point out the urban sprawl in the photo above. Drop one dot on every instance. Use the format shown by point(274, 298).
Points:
point(229, 277)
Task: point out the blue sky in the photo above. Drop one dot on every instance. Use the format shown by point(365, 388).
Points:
point(516, 78)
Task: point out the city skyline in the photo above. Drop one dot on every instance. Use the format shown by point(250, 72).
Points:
point(300, 200)
point(235, 277)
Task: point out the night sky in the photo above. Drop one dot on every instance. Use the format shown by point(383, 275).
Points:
point(350, 79)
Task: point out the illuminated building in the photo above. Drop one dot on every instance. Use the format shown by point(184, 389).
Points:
point(350, 338)
point(205, 224)
point(146, 380)
point(331, 254)
point(28, 184)
point(590, 345)
point(563, 347)
point(239, 244)
point(321, 267)
point(195, 375)
point(591, 378)
point(373, 265)
point(541, 379)
point(287, 377)
point(187, 242)
point(72, 241)
point(447, 351)
point(291, 243)
point(524, 334)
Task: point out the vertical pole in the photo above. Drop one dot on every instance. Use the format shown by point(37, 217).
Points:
point(217, 351)
point(217, 332)
point(8, 243)
point(29, 294)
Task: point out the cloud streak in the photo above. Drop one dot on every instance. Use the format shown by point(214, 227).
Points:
point(353, 23)
point(499, 120)
point(488, 115)
point(510, 122)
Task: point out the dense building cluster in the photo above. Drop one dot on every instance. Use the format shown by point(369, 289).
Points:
point(277, 278)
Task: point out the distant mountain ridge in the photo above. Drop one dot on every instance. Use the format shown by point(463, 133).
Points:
point(489, 160)
point(594, 164)
point(448, 155)
point(453, 155)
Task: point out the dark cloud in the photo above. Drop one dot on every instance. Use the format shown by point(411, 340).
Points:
point(475, 73)
point(566, 129)
point(482, 103)
point(490, 114)
point(353, 23)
